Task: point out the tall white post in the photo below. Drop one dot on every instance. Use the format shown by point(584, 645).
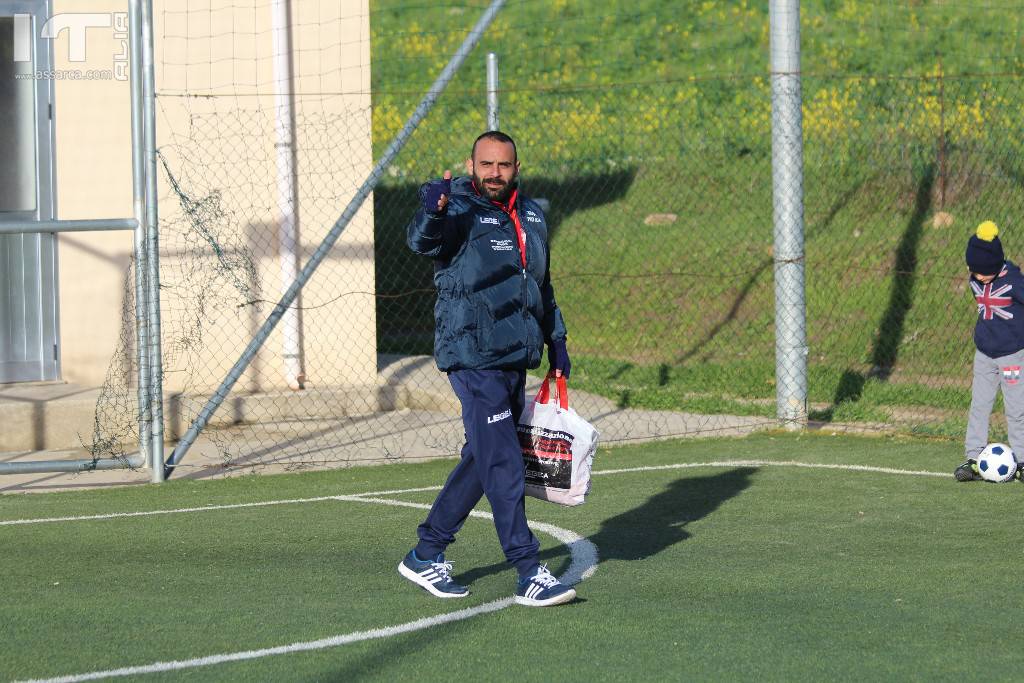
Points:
point(145, 397)
point(156, 368)
point(287, 201)
point(788, 215)
point(492, 91)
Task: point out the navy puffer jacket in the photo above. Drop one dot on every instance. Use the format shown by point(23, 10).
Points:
point(491, 313)
point(1000, 327)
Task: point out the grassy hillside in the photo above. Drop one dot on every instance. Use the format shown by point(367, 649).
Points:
point(912, 136)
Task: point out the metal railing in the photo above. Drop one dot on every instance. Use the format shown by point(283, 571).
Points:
point(144, 226)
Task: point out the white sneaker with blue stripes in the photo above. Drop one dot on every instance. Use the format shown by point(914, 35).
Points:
point(433, 576)
point(543, 590)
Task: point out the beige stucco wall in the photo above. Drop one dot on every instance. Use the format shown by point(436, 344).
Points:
point(93, 179)
point(215, 123)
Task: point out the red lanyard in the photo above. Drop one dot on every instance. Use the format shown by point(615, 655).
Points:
point(520, 233)
point(513, 212)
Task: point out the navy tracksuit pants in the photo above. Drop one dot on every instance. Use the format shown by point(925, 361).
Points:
point(491, 465)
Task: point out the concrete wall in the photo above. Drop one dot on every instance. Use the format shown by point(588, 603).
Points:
point(215, 123)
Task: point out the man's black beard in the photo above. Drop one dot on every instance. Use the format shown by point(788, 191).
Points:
point(501, 194)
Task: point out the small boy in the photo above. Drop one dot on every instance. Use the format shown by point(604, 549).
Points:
point(998, 289)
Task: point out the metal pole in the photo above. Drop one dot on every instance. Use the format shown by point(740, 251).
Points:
point(81, 225)
point(788, 215)
point(287, 199)
point(152, 244)
point(39, 466)
point(139, 206)
point(335, 232)
point(492, 91)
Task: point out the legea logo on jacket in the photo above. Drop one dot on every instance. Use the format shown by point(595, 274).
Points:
point(490, 220)
point(499, 417)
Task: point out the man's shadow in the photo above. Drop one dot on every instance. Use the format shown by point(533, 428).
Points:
point(659, 523)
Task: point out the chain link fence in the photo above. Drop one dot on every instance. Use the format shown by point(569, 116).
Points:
point(660, 210)
point(662, 247)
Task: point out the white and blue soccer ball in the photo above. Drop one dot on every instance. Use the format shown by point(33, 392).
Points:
point(997, 463)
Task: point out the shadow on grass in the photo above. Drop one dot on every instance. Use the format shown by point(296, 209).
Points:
point(755, 275)
point(659, 523)
point(624, 398)
point(886, 345)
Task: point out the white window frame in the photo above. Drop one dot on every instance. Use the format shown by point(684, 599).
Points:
point(38, 250)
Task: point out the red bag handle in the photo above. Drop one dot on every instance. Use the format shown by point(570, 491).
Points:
point(561, 389)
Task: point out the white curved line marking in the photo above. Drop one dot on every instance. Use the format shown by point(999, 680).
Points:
point(582, 553)
point(583, 564)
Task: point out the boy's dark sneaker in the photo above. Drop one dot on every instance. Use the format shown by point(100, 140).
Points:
point(969, 471)
point(1019, 476)
point(543, 590)
point(433, 576)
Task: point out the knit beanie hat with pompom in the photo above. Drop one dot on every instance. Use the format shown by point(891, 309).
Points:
point(984, 251)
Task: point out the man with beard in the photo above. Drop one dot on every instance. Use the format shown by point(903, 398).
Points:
point(495, 310)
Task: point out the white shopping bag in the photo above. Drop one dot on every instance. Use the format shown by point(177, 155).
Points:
point(558, 447)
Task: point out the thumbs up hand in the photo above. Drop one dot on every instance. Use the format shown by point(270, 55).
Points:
point(434, 195)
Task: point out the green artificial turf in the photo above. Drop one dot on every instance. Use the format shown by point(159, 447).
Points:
point(773, 572)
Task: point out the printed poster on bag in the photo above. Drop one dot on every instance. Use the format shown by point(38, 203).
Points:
point(547, 454)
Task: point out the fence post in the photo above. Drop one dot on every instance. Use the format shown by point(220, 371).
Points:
point(788, 215)
point(492, 91)
point(156, 368)
point(287, 197)
point(139, 211)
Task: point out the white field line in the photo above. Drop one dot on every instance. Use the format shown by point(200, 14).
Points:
point(147, 513)
point(583, 564)
point(363, 496)
point(778, 463)
point(714, 463)
point(388, 493)
point(306, 646)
